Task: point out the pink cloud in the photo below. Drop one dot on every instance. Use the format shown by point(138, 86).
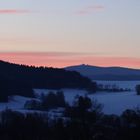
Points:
point(82, 12)
point(90, 9)
point(14, 11)
point(96, 7)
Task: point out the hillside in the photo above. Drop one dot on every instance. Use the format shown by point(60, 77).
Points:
point(106, 73)
point(15, 79)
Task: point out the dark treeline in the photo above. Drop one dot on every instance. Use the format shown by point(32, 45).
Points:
point(111, 88)
point(21, 78)
point(82, 121)
point(10, 87)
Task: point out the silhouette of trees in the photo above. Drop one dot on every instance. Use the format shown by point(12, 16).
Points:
point(43, 77)
point(111, 88)
point(35, 126)
point(84, 109)
point(21, 79)
point(138, 89)
point(50, 101)
point(9, 87)
point(84, 103)
point(53, 100)
point(33, 105)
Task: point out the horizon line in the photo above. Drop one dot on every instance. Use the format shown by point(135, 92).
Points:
point(80, 64)
point(66, 59)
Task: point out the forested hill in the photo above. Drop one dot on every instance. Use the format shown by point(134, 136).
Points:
point(22, 76)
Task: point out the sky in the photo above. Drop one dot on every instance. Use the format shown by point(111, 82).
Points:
point(60, 33)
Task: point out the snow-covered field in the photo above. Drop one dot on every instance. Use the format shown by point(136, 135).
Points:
point(69, 93)
point(16, 102)
point(114, 103)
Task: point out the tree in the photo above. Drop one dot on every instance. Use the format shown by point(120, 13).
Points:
point(84, 109)
point(43, 77)
point(49, 101)
point(53, 100)
point(138, 89)
point(33, 105)
point(84, 103)
point(60, 99)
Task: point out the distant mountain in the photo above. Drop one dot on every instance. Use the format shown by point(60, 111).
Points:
point(106, 73)
point(20, 79)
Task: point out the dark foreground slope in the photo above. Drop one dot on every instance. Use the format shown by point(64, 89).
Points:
point(10, 86)
point(106, 73)
point(14, 77)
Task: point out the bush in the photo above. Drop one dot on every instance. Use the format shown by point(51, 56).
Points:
point(138, 89)
point(53, 100)
point(84, 109)
point(49, 101)
point(11, 117)
point(32, 105)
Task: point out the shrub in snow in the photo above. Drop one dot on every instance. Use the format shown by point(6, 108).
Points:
point(84, 103)
point(49, 101)
point(131, 117)
point(84, 109)
point(138, 89)
point(32, 105)
point(53, 100)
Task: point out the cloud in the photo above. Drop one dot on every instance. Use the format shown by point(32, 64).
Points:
point(14, 11)
point(96, 7)
point(82, 12)
point(90, 9)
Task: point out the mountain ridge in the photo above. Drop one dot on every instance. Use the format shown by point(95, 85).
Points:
point(106, 73)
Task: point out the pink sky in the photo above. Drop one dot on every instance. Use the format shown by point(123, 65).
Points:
point(68, 59)
point(102, 33)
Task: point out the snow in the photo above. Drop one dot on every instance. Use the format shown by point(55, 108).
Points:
point(55, 113)
point(15, 103)
point(114, 103)
point(68, 93)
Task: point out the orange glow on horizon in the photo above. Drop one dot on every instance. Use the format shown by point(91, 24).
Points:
point(61, 60)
